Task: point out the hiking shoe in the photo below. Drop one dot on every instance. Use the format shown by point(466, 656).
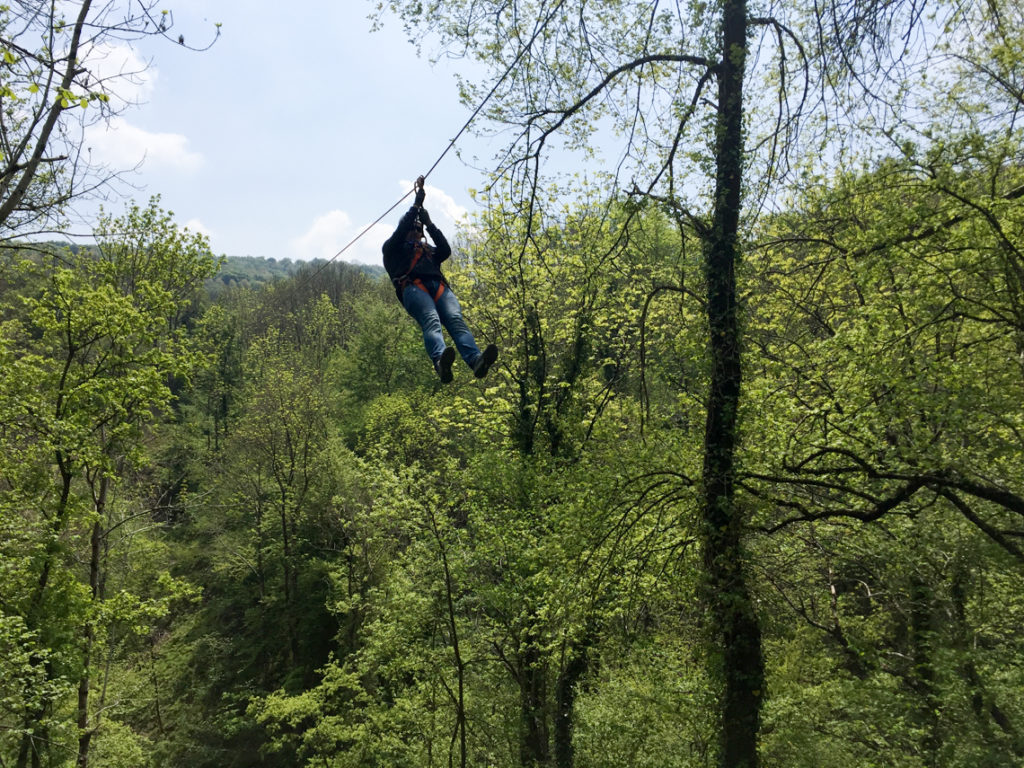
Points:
point(443, 365)
point(485, 361)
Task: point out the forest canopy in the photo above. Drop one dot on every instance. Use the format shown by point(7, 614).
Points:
point(743, 489)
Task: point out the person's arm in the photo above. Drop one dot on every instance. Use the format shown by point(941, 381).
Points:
point(404, 225)
point(392, 248)
point(442, 250)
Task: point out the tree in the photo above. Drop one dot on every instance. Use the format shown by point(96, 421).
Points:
point(518, 562)
point(668, 84)
point(54, 85)
point(889, 338)
point(649, 56)
point(280, 441)
point(87, 365)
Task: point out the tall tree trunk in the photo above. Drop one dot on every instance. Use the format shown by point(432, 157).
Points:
point(735, 627)
point(34, 733)
point(85, 731)
point(577, 660)
point(88, 640)
point(984, 706)
point(534, 748)
point(289, 592)
point(923, 675)
point(459, 734)
point(31, 743)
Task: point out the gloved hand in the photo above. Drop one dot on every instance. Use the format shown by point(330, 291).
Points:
point(424, 217)
point(420, 192)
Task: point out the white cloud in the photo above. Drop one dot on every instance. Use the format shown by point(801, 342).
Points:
point(121, 72)
point(332, 232)
point(121, 145)
point(323, 238)
point(443, 209)
point(195, 225)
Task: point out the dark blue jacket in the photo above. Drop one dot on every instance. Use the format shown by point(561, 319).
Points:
point(399, 254)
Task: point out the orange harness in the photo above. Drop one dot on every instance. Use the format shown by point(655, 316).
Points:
point(404, 280)
point(440, 289)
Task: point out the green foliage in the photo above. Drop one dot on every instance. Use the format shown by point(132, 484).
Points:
point(318, 555)
point(249, 272)
point(143, 254)
point(492, 546)
point(87, 360)
point(889, 395)
point(629, 716)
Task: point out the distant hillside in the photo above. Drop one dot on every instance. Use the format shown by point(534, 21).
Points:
point(251, 271)
point(241, 271)
point(254, 271)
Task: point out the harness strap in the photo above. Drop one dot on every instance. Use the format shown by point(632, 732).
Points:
point(417, 252)
point(404, 280)
point(440, 289)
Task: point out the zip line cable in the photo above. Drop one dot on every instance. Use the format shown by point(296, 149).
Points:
point(541, 26)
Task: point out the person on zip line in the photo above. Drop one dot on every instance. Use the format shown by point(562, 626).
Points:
point(414, 266)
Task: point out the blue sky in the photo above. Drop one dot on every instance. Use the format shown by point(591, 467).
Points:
point(293, 132)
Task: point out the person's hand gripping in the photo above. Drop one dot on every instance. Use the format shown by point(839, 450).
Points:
point(420, 192)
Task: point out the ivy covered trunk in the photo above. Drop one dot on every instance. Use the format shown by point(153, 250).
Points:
point(565, 700)
point(534, 740)
point(738, 666)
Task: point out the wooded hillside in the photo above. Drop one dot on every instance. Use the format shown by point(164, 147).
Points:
point(744, 487)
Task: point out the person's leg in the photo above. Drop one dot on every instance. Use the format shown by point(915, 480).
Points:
point(421, 306)
point(450, 313)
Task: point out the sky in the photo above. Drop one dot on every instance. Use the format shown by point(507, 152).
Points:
point(297, 129)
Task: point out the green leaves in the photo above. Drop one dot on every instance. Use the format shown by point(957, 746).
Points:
point(88, 356)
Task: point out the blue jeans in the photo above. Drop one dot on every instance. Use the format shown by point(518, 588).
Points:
point(432, 315)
